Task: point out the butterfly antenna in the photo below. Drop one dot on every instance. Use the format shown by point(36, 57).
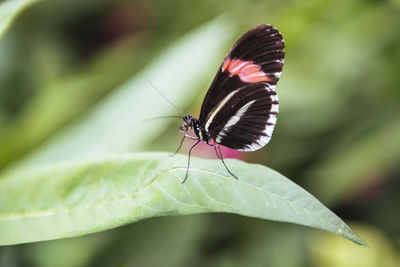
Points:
point(161, 117)
point(161, 94)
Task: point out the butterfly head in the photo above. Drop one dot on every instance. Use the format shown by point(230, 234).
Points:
point(187, 122)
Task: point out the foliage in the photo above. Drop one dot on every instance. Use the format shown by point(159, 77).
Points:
point(74, 94)
point(79, 198)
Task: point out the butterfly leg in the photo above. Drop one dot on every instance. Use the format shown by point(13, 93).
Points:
point(187, 169)
point(217, 149)
point(180, 145)
point(191, 137)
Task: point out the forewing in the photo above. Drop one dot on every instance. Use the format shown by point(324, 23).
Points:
point(257, 57)
point(240, 107)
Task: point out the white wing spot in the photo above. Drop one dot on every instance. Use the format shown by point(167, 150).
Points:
point(269, 129)
point(272, 119)
point(274, 98)
point(275, 108)
point(270, 88)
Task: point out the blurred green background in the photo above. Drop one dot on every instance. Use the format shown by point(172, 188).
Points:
point(338, 131)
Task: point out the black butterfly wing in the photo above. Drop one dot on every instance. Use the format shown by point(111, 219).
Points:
point(240, 107)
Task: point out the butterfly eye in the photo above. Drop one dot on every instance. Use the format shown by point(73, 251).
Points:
point(183, 128)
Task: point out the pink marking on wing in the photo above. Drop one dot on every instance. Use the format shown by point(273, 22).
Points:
point(248, 71)
point(236, 66)
point(254, 77)
point(226, 64)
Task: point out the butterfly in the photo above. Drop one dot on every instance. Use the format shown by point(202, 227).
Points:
point(240, 108)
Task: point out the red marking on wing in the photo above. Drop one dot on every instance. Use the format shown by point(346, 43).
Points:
point(226, 63)
point(248, 71)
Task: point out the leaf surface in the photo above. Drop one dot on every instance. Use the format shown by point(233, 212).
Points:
point(81, 197)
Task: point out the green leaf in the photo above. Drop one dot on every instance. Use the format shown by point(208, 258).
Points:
point(82, 197)
point(9, 10)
